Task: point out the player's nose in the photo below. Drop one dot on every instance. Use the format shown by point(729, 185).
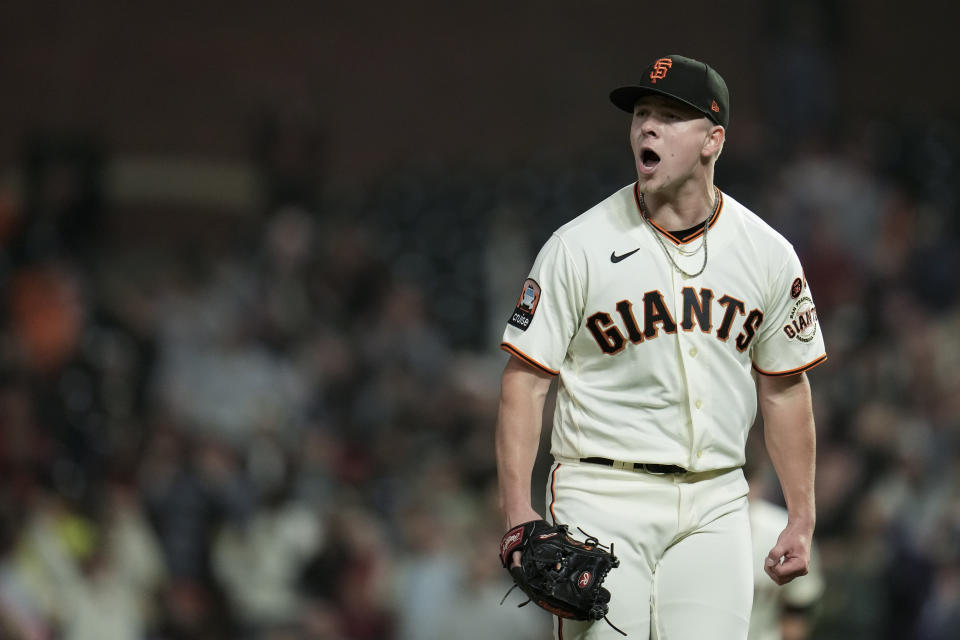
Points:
point(647, 125)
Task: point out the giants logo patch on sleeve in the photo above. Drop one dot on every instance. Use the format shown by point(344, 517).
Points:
point(802, 322)
point(526, 305)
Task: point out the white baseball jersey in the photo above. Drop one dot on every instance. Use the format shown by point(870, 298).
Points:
point(654, 366)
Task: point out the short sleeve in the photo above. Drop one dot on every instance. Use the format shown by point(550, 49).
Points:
point(790, 340)
point(548, 309)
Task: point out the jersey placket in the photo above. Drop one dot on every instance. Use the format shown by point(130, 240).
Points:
point(691, 367)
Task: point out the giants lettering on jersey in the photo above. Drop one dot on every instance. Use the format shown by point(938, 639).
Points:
point(698, 309)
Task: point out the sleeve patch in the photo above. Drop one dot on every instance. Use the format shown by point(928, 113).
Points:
point(526, 306)
point(802, 323)
point(796, 288)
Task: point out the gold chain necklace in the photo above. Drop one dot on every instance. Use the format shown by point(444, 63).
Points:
point(663, 245)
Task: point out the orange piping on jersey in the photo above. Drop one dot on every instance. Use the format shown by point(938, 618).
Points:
point(809, 365)
point(560, 628)
point(509, 348)
point(553, 491)
point(674, 239)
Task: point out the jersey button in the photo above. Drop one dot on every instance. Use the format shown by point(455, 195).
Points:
point(693, 352)
point(698, 403)
point(700, 453)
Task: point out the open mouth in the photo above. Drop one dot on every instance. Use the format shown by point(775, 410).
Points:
point(649, 159)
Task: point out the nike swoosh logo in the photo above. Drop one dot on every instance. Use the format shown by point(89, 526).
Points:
point(614, 258)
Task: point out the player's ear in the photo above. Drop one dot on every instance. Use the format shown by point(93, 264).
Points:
point(713, 144)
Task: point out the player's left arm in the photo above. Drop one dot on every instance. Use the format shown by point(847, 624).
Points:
point(790, 437)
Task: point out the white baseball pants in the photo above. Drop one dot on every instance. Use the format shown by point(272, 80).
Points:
point(683, 541)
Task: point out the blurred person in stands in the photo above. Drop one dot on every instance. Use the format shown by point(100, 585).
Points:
point(429, 571)
point(346, 583)
point(474, 611)
point(65, 563)
point(20, 615)
point(780, 612)
point(258, 560)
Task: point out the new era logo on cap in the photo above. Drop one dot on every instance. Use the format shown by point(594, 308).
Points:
point(685, 79)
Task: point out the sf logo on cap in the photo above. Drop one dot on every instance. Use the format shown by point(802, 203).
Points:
point(660, 68)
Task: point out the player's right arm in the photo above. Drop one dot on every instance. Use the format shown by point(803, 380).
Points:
point(523, 391)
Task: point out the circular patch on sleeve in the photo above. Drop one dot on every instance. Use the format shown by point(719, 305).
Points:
point(802, 323)
point(796, 288)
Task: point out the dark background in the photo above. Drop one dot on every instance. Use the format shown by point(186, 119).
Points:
point(431, 81)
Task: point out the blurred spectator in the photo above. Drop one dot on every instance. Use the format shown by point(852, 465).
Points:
point(189, 487)
point(347, 582)
point(787, 611)
point(66, 565)
point(477, 609)
point(20, 614)
point(259, 560)
point(46, 315)
point(428, 574)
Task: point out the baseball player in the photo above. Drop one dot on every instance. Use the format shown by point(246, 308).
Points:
point(665, 312)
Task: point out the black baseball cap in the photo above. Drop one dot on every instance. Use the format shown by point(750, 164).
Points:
point(685, 79)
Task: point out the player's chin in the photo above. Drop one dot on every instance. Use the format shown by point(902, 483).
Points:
point(649, 184)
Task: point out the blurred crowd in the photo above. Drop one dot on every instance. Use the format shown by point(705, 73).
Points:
point(279, 426)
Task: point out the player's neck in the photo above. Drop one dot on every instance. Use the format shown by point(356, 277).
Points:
point(681, 210)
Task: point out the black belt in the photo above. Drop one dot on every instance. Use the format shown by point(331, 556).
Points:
point(640, 466)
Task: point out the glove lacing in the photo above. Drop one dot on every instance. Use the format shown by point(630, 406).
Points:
point(589, 539)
